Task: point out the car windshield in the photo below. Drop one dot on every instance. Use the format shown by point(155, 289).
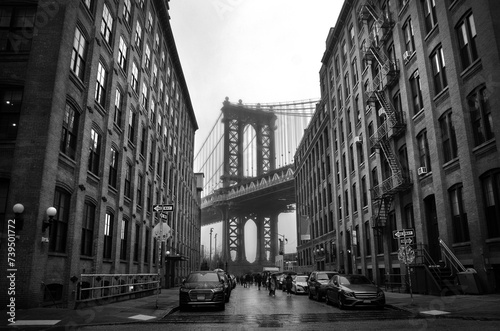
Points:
point(355, 279)
point(325, 276)
point(301, 278)
point(202, 277)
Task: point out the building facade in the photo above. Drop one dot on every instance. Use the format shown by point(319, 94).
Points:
point(407, 136)
point(96, 121)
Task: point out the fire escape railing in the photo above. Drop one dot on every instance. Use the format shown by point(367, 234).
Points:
point(393, 126)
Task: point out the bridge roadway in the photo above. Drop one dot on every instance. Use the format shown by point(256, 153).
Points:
point(273, 192)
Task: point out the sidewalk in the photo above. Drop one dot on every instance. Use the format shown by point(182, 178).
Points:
point(476, 307)
point(129, 311)
point(472, 307)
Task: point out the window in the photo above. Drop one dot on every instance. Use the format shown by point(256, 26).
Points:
point(94, 152)
point(113, 168)
point(374, 177)
point(126, 11)
point(466, 30)
point(344, 166)
point(157, 42)
point(100, 88)
point(367, 239)
point(107, 25)
point(346, 85)
point(144, 96)
point(430, 14)
point(131, 126)
point(344, 51)
point(127, 190)
point(155, 75)
point(361, 154)
point(339, 204)
point(459, 215)
point(423, 149)
point(409, 39)
point(59, 226)
point(87, 239)
point(339, 97)
point(140, 3)
point(124, 240)
point(352, 35)
point(150, 22)
point(364, 192)
point(138, 35)
point(354, 198)
point(10, 108)
point(147, 59)
point(146, 247)
point(16, 28)
point(140, 181)
point(351, 152)
point(149, 200)
point(346, 198)
point(416, 92)
point(136, 243)
point(354, 66)
point(118, 108)
point(409, 220)
point(394, 243)
point(122, 54)
point(108, 236)
point(337, 68)
point(143, 141)
point(69, 131)
point(480, 112)
point(439, 70)
point(78, 54)
point(135, 77)
point(370, 133)
point(491, 190)
point(448, 137)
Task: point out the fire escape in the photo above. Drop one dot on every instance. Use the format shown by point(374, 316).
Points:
point(387, 74)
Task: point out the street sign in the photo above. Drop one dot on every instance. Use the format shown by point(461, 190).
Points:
point(406, 254)
point(164, 216)
point(158, 208)
point(405, 241)
point(403, 233)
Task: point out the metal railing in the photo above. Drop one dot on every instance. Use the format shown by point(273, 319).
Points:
point(450, 260)
point(103, 286)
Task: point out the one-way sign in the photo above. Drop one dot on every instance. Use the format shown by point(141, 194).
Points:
point(403, 233)
point(158, 208)
point(405, 241)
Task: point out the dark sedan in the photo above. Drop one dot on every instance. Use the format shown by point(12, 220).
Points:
point(353, 290)
point(202, 288)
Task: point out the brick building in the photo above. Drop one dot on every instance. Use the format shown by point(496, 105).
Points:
point(405, 137)
point(96, 121)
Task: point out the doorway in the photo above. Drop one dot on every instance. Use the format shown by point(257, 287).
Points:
point(432, 228)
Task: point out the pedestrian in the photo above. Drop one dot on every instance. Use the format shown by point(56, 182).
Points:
point(272, 285)
point(258, 279)
point(288, 283)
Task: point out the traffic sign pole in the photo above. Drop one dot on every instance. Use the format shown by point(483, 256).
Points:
point(160, 209)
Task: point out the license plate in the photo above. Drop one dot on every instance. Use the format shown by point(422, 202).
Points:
point(200, 297)
point(367, 301)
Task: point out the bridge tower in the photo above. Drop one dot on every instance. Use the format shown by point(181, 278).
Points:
point(235, 119)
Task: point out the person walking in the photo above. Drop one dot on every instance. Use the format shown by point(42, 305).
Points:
point(272, 285)
point(258, 279)
point(288, 283)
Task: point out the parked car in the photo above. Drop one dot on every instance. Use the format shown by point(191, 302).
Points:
point(317, 283)
point(354, 290)
point(299, 284)
point(202, 288)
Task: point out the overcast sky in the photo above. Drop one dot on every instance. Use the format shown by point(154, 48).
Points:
point(255, 50)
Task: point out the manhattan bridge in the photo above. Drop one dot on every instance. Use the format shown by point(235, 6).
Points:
point(247, 161)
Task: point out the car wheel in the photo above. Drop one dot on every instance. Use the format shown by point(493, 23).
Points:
point(341, 303)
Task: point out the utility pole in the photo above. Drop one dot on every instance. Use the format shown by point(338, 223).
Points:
point(210, 265)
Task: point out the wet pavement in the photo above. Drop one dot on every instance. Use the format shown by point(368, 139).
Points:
point(164, 307)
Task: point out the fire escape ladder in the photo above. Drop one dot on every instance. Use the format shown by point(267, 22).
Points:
point(379, 220)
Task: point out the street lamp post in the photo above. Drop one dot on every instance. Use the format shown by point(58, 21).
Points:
point(215, 251)
point(210, 263)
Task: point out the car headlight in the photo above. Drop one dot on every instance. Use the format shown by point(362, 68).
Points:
point(348, 294)
point(219, 288)
point(183, 289)
point(380, 294)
